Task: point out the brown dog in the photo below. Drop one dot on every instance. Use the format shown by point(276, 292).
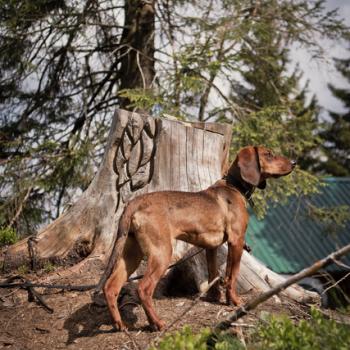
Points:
point(207, 219)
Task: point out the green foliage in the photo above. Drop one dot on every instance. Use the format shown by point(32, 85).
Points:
point(185, 339)
point(42, 171)
point(299, 182)
point(141, 99)
point(8, 235)
point(290, 136)
point(275, 333)
point(49, 145)
point(224, 341)
point(277, 115)
point(331, 157)
point(344, 310)
point(49, 267)
point(318, 333)
point(23, 269)
point(21, 14)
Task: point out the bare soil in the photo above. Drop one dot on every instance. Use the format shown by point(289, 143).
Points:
point(78, 323)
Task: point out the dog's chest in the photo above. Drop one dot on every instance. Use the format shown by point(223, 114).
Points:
point(207, 233)
point(207, 240)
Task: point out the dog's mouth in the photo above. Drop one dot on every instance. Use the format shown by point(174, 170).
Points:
point(283, 172)
point(282, 167)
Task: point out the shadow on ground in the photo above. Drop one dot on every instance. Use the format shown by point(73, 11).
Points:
point(91, 320)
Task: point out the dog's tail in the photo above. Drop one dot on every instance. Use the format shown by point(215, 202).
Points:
point(118, 247)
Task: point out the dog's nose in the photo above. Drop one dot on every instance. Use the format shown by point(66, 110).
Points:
point(293, 162)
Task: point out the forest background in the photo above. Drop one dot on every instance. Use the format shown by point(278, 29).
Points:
point(66, 65)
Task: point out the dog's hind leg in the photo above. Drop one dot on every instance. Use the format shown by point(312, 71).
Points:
point(124, 267)
point(158, 261)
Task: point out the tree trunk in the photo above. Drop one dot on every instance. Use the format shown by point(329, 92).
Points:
point(144, 154)
point(137, 48)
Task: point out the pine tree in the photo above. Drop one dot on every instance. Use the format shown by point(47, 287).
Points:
point(277, 114)
point(61, 64)
point(336, 134)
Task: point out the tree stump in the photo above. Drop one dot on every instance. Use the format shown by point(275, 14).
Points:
point(144, 154)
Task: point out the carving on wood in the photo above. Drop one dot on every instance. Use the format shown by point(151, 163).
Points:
point(134, 157)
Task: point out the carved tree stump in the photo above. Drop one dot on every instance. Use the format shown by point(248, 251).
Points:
point(144, 154)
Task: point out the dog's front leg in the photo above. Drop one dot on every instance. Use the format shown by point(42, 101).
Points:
point(214, 293)
point(234, 254)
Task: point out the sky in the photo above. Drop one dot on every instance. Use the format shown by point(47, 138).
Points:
point(319, 73)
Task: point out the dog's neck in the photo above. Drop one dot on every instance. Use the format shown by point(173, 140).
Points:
point(235, 180)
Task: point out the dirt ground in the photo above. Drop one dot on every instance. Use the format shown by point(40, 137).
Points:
point(78, 323)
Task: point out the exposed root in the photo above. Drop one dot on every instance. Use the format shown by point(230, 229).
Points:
point(31, 260)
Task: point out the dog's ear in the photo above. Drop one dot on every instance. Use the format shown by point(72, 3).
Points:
point(248, 164)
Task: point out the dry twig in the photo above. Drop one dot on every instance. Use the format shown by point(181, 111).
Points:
point(336, 283)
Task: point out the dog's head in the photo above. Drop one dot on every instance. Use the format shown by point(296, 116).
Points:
point(256, 164)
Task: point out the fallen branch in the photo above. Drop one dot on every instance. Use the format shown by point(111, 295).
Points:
point(250, 305)
point(27, 284)
point(78, 288)
point(33, 295)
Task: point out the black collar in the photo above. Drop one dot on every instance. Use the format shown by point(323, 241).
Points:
point(245, 189)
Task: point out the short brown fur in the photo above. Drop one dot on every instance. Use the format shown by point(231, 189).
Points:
point(151, 222)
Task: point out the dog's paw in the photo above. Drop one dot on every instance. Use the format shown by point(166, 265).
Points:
point(234, 303)
point(120, 326)
point(158, 326)
point(233, 300)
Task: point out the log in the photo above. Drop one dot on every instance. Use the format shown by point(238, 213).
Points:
point(254, 277)
point(143, 154)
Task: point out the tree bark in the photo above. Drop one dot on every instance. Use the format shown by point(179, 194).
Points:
point(144, 154)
